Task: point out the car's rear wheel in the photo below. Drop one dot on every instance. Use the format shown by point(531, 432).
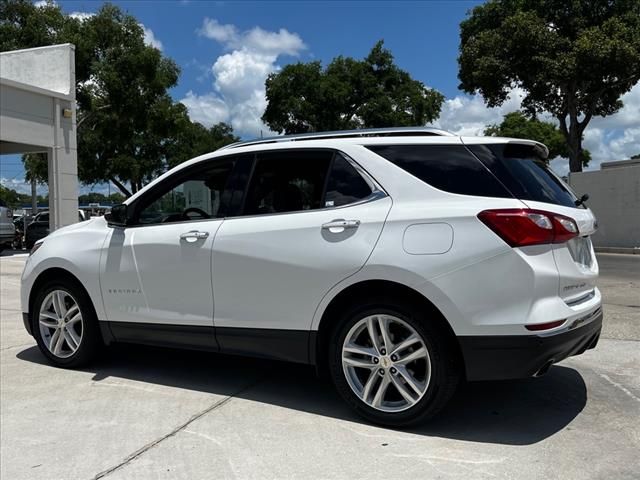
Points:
point(64, 324)
point(392, 363)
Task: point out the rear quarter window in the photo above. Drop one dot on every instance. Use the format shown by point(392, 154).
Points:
point(451, 168)
point(524, 173)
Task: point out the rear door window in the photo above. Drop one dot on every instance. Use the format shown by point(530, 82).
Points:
point(451, 168)
point(524, 172)
point(345, 185)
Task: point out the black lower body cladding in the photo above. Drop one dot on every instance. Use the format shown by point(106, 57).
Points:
point(521, 356)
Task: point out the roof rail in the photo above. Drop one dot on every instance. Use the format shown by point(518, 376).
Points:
point(364, 132)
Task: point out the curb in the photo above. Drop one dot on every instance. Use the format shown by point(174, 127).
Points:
point(626, 250)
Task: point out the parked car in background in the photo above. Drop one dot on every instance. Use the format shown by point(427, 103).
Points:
point(399, 261)
point(7, 229)
point(39, 227)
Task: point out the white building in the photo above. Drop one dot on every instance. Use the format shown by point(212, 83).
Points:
point(38, 114)
point(614, 197)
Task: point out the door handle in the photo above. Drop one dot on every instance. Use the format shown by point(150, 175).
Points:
point(194, 236)
point(339, 226)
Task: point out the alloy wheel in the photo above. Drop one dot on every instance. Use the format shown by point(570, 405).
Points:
point(61, 324)
point(386, 363)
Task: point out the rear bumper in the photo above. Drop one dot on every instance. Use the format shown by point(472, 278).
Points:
point(521, 356)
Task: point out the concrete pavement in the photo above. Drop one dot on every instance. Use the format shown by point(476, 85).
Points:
point(151, 413)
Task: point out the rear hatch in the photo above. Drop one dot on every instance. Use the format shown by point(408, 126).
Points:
point(520, 166)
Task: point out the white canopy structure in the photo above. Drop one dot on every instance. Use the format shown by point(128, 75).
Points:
point(38, 114)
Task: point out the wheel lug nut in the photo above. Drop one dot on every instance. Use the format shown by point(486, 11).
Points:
point(383, 351)
point(381, 371)
point(375, 360)
point(393, 370)
point(394, 358)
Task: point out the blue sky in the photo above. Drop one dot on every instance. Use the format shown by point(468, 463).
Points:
point(226, 49)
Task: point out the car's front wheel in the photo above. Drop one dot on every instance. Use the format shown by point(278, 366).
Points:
point(392, 364)
point(64, 324)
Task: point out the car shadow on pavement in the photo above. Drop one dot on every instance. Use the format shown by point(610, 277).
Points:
point(518, 412)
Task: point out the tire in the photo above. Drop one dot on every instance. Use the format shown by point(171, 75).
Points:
point(83, 331)
point(435, 374)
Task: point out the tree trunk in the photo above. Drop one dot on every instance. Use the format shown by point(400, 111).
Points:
point(34, 198)
point(573, 137)
point(575, 157)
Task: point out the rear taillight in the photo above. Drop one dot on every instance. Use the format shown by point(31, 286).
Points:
point(522, 227)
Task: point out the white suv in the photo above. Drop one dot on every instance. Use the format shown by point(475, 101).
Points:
point(401, 261)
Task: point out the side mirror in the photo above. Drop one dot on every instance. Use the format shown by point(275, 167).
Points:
point(119, 215)
point(582, 199)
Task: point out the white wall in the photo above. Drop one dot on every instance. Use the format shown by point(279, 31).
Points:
point(614, 197)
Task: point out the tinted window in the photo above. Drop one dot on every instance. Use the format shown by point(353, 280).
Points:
point(43, 217)
point(524, 173)
point(451, 168)
point(196, 195)
point(287, 181)
point(345, 184)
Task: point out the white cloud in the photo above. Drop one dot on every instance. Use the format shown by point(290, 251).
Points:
point(150, 38)
point(43, 3)
point(207, 109)
point(468, 115)
point(238, 95)
point(22, 186)
point(256, 39)
point(82, 16)
point(615, 137)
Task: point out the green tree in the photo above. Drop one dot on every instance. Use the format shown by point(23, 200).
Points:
point(573, 58)
point(348, 93)
point(36, 167)
point(518, 125)
point(9, 196)
point(129, 128)
point(192, 139)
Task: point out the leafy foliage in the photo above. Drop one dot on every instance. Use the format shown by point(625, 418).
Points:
point(102, 199)
point(129, 129)
point(518, 125)
point(348, 93)
point(16, 199)
point(573, 58)
point(36, 167)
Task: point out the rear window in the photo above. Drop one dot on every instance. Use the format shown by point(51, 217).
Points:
point(451, 168)
point(524, 173)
